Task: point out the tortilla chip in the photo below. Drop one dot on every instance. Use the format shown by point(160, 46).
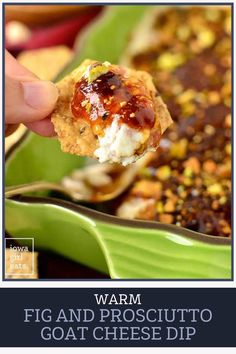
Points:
point(77, 136)
point(46, 63)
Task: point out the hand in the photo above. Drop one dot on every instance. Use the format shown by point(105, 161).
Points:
point(28, 99)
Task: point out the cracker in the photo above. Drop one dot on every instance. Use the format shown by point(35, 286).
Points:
point(81, 136)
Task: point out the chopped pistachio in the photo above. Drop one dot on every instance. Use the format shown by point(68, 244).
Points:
point(223, 200)
point(159, 207)
point(201, 97)
point(180, 201)
point(179, 148)
point(206, 38)
point(187, 181)
point(209, 180)
point(186, 96)
point(88, 107)
point(145, 172)
point(180, 188)
point(83, 103)
point(170, 61)
point(193, 164)
point(96, 71)
point(215, 189)
point(163, 173)
point(97, 129)
point(188, 172)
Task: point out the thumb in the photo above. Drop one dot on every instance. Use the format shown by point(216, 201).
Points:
point(27, 99)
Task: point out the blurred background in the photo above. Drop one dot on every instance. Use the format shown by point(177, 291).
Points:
point(37, 34)
point(40, 26)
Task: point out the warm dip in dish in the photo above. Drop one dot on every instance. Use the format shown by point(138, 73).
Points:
point(187, 50)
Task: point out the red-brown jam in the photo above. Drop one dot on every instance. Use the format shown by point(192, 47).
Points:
point(109, 95)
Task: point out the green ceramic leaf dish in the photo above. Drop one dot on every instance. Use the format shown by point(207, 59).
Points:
point(37, 158)
point(120, 248)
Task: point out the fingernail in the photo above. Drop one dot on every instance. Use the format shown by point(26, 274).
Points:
point(40, 95)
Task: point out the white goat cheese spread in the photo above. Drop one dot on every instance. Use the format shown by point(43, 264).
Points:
point(119, 143)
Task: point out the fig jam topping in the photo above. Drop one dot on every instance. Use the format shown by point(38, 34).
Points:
point(111, 95)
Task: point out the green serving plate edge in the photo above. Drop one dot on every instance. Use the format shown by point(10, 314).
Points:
point(124, 249)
